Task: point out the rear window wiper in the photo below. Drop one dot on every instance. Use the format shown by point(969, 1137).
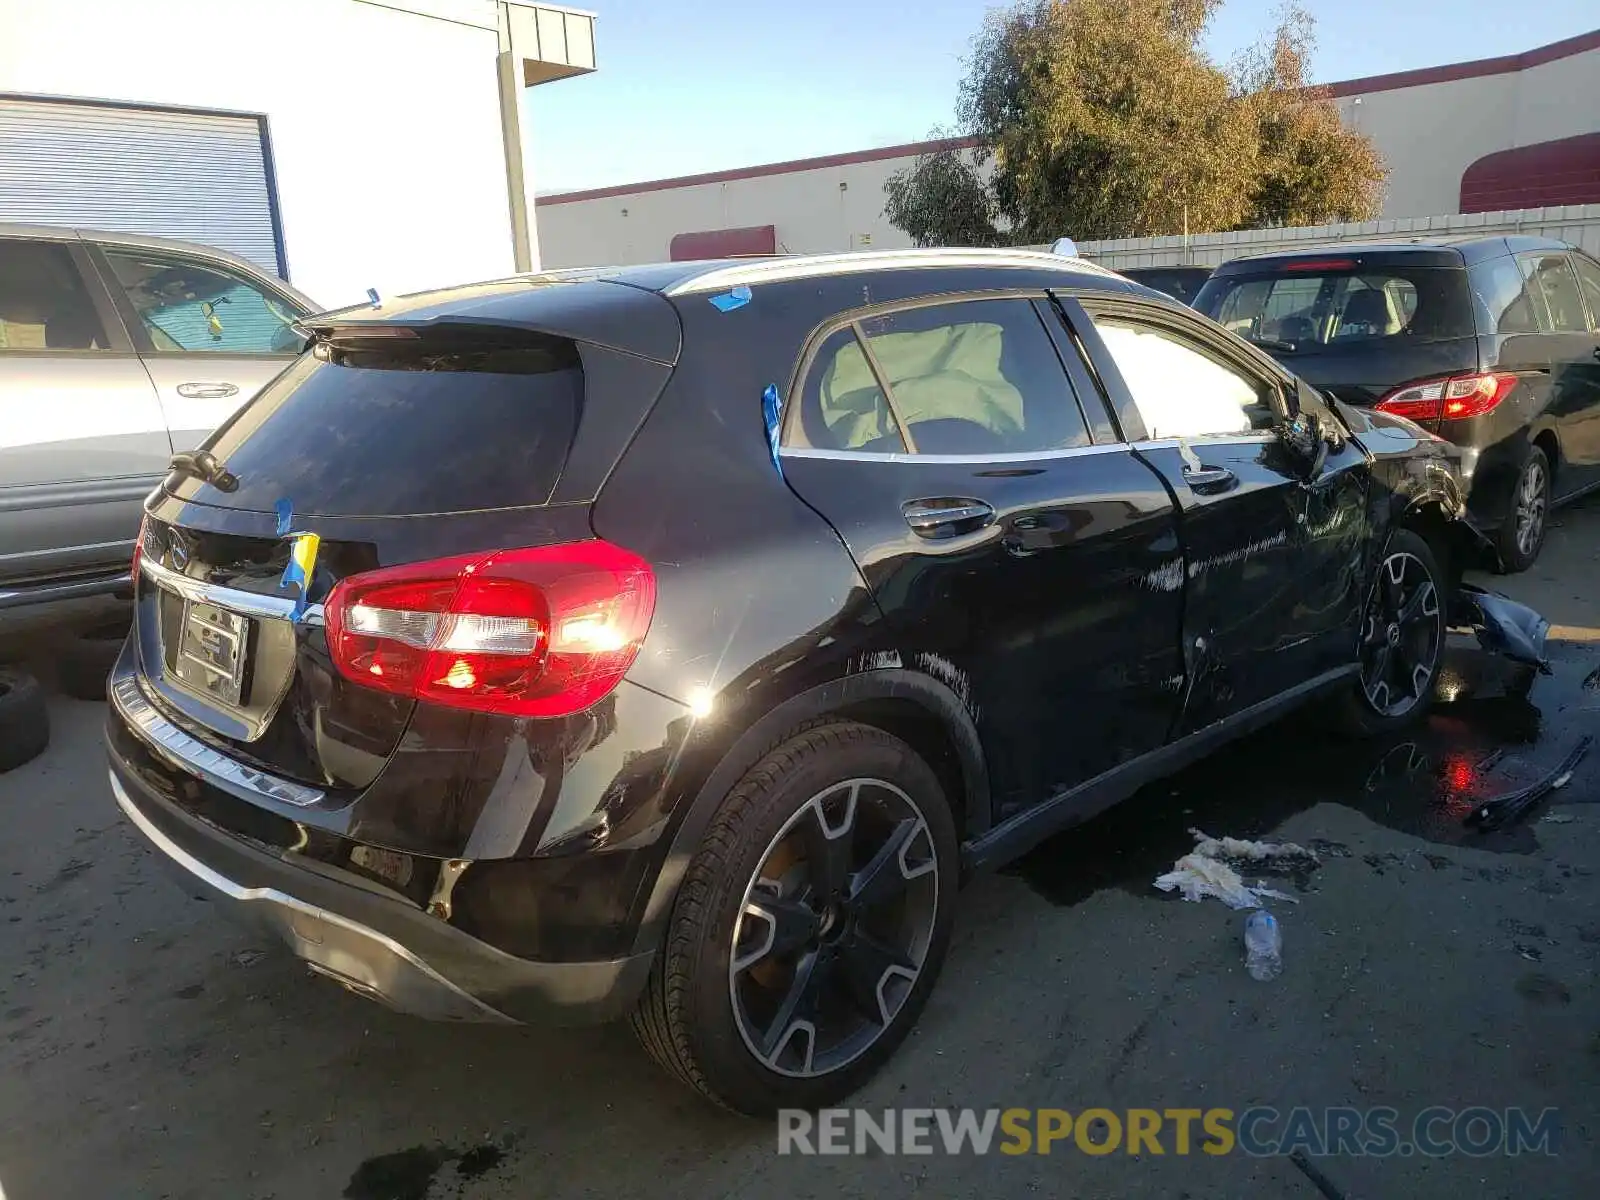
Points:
point(203, 465)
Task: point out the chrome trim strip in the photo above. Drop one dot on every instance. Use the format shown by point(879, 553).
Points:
point(282, 900)
point(774, 270)
point(250, 604)
point(173, 744)
point(1209, 439)
point(974, 459)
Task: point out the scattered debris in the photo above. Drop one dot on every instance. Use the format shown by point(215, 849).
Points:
point(1531, 953)
point(1499, 811)
point(248, 958)
point(1318, 1180)
point(1203, 872)
point(1505, 627)
point(1557, 819)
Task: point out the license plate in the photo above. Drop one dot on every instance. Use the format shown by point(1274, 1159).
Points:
point(211, 651)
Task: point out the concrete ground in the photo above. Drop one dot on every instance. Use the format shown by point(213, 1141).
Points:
point(148, 1049)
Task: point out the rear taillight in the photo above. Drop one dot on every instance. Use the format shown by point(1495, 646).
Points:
point(1452, 398)
point(138, 549)
point(540, 632)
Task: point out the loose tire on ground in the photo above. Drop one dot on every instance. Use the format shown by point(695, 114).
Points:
point(84, 661)
point(24, 718)
point(688, 1018)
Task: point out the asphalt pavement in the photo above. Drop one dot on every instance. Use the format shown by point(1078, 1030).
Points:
point(149, 1048)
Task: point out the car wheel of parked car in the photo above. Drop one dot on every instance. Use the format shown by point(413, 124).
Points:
point(810, 925)
point(24, 719)
point(1522, 534)
point(83, 663)
point(1402, 638)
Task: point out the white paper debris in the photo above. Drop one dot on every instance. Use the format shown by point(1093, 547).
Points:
point(1194, 876)
point(1202, 872)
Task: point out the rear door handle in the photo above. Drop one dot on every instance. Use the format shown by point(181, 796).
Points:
point(1208, 481)
point(207, 391)
point(946, 516)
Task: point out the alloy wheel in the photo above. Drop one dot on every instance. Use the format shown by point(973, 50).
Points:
point(1531, 505)
point(834, 928)
point(1401, 636)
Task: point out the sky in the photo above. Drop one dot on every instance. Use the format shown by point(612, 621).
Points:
point(686, 86)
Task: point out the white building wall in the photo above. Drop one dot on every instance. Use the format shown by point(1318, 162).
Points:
point(385, 124)
point(812, 213)
point(1429, 134)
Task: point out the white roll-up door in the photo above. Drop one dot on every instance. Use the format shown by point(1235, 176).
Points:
point(197, 176)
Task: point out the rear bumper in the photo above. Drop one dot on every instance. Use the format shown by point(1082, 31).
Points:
point(370, 942)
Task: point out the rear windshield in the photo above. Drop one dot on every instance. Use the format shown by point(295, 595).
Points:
point(379, 432)
point(1310, 309)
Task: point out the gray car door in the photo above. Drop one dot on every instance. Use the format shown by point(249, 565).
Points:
point(82, 436)
point(210, 333)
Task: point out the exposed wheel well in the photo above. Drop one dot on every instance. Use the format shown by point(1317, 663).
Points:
point(1430, 522)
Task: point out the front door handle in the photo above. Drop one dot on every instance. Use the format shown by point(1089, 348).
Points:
point(946, 516)
point(207, 391)
point(1208, 481)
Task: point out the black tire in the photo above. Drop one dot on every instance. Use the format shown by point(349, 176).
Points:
point(692, 1018)
point(1365, 711)
point(84, 662)
point(24, 719)
point(1521, 535)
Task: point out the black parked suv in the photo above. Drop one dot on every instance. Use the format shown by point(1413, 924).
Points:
point(671, 641)
point(1183, 284)
point(1492, 343)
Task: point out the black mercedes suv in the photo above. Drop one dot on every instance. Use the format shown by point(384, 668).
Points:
point(669, 642)
point(1490, 342)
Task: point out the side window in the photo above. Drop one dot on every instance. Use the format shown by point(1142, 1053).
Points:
point(1504, 305)
point(43, 303)
point(1179, 388)
point(1550, 277)
point(185, 306)
point(974, 378)
point(1589, 281)
point(842, 407)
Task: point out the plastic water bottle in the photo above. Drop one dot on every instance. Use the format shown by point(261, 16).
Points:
point(1263, 945)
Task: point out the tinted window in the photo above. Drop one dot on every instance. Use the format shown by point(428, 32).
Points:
point(188, 307)
point(1550, 278)
point(979, 377)
point(1589, 282)
point(1179, 388)
point(43, 303)
point(843, 408)
point(972, 378)
point(1501, 295)
point(399, 432)
point(1341, 308)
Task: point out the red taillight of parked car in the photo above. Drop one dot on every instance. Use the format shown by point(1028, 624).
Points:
point(1452, 398)
point(540, 632)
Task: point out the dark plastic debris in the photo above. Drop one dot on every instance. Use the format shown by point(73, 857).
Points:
point(1502, 810)
point(1505, 627)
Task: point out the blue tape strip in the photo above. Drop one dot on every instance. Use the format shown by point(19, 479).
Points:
point(728, 301)
point(772, 413)
point(285, 511)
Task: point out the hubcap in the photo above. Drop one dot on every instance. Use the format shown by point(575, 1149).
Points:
point(1531, 504)
point(1401, 636)
point(834, 928)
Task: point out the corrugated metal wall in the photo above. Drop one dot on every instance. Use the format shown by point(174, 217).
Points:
point(1578, 224)
point(199, 177)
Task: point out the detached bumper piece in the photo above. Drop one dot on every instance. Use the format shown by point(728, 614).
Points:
point(369, 940)
point(1504, 627)
point(1502, 810)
